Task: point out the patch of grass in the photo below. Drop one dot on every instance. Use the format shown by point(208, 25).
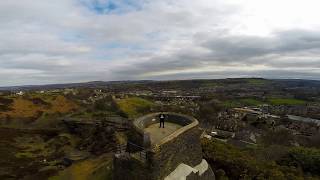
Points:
point(209, 84)
point(99, 168)
point(252, 102)
point(25, 155)
point(257, 81)
point(231, 104)
point(32, 147)
point(286, 101)
point(21, 149)
point(241, 102)
point(135, 106)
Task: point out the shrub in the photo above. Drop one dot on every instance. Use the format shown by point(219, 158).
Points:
point(240, 164)
point(5, 101)
point(279, 137)
point(135, 106)
point(307, 159)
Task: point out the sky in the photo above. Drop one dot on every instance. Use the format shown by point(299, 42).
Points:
point(64, 41)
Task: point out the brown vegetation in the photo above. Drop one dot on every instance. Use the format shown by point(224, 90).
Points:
point(22, 108)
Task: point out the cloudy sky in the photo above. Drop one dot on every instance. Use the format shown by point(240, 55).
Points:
point(46, 41)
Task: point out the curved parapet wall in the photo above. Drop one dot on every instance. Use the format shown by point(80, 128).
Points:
point(187, 122)
point(149, 119)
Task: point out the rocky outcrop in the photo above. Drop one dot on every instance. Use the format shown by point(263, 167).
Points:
point(97, 136)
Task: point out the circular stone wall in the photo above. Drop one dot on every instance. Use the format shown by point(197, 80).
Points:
point(143, 139)
point(147, 120)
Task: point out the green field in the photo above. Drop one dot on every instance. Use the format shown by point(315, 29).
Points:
point(242, 102)
point(231, 104)
point(209, 84)
point(252, 102)
point(255, 102)
point(286, 101)
point(257, 81)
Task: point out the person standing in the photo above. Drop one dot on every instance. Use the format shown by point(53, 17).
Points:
point(161, 117)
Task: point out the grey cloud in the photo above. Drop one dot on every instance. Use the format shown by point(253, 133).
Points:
point(298, 49)
point(244, 47)
point(271, 74)
point(64, 41)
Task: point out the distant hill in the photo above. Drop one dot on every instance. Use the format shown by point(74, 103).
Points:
point(192, 83)
point(91, 84)
point(298, 82)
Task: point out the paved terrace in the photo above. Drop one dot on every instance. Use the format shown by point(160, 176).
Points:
point(157, 134)
point(175, 124)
